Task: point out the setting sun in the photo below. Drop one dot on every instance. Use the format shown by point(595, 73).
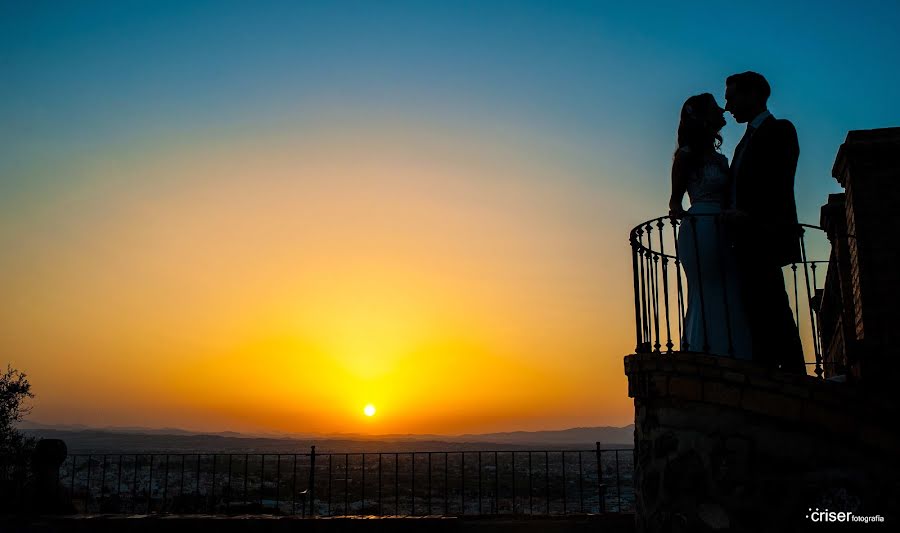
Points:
point(369, 410)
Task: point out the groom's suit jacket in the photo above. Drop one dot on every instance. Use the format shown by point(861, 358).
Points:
point(764, 182)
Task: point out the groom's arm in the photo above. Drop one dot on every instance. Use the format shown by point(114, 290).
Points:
point(785, 154)
point(780, 221)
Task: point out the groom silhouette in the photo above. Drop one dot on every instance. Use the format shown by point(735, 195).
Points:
point(762, 216)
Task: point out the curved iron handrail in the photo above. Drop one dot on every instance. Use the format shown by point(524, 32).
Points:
point(658, 220)
point(657, 297)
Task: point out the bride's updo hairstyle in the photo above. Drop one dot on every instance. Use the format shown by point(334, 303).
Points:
point(695, 131)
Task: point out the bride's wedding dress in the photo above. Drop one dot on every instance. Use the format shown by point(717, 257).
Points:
point(715, 321)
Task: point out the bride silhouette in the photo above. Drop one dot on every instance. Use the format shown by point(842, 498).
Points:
point(715, 321)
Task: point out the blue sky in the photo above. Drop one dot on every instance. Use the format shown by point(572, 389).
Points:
point(85, 72)
point(81, 73)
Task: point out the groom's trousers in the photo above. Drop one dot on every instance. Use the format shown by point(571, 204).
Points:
point(775, 338)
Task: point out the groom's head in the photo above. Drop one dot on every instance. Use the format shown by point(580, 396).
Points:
point(746, 95)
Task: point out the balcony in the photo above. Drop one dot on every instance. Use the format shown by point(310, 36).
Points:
point(661, 289)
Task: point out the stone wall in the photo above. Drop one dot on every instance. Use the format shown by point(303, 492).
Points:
point(868, 167)
point(722, 444)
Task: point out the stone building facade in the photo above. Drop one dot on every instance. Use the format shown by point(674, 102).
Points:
point(858, 311)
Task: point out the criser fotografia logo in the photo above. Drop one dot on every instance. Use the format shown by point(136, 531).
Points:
point(840, 516)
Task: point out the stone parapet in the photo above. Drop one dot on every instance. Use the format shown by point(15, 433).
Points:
point(724, 443)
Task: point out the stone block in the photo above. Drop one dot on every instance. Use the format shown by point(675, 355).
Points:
point(650, 487)
point(734, 364)
point(827, 396)
point(770, 403)
point(782, 377)
point(688, 368)
point(713, 372)
point(685, 388)
point(650, 365)
point(878, 436)
point(665, 444)
point(686, 475)
point(722, 393)
point(638, 386)
point(797, 391)
point(763, 381)
point(735, 377)
point(659, 385)
point(714, 516)
point(827, 417)
point(708, 360)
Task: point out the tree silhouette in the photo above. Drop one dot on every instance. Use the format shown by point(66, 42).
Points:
point(14, 391)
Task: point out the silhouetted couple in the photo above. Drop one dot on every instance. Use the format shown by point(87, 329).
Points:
point(744, 230)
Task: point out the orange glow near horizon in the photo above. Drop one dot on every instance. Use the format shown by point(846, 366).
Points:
point(280, 283)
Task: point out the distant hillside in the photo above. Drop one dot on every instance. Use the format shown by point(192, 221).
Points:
point(82, 439)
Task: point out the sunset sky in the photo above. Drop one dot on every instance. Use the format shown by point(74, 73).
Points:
point(262, 216)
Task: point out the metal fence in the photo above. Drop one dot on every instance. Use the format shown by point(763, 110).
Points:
point(452, 483)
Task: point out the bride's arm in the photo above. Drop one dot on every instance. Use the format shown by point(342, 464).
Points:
point(679, 183)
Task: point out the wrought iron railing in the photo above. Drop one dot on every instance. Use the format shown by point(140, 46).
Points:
point(661, 287)
point(520, 482)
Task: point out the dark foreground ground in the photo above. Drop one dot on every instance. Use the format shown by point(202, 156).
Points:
point(610, 522)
